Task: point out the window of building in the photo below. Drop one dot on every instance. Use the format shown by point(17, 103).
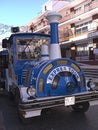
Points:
point(78, 31)
point(82, 27)
point(87, 5)
point(77, 10)
point(67, 13)
point(82, 50)
point(85, 29)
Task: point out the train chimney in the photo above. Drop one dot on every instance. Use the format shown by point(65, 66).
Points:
point(53, 18)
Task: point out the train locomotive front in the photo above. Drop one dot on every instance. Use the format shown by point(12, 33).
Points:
point(48, 81)
point(56, 77)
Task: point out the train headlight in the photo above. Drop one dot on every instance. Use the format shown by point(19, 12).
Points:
point(31, 91)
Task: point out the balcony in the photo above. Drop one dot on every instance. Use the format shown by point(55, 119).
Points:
point(41, 24)
point(93, 5)
point(93, 33)
point(73, 14)
point(64, 37)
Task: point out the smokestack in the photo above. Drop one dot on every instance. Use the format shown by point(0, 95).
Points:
point(53, 18)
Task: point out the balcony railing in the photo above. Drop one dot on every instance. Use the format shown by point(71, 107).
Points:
point(90, 72)
point(41, 24)
point(82, 58)
point(65, 36)
point(74, 14)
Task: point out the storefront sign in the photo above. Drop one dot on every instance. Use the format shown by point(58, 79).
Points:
point(59, 69)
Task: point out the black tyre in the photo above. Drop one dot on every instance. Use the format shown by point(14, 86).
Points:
point(20, 116)
point(17, 100)
point(81, 107)
point(46, 111)
point(11, 96)
point(22, 119)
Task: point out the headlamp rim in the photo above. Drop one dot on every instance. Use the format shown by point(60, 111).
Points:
point(31, 91)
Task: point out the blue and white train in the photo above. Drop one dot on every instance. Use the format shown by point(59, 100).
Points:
point(39, 78)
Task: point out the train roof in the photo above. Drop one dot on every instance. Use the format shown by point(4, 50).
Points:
point(28, 34)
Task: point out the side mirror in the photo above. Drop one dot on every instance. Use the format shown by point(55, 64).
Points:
point(4, 43)
point(15, 29)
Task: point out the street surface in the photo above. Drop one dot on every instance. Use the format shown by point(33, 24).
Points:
point(60, 118)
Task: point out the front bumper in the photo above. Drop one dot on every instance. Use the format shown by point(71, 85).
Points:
point(48, 102)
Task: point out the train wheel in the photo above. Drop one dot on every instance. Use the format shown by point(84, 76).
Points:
point(11, 96)
point(81, 107)
point(22, 119)
point(46, 111)
point(17, 100)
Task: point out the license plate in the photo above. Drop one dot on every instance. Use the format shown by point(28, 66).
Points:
point(69, 101)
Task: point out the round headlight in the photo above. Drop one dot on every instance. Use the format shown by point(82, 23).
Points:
point(31, 91)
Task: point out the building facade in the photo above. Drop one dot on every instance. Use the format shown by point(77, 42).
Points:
point(78, 28)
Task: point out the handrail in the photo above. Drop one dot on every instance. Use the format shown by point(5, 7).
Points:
point(91, 71)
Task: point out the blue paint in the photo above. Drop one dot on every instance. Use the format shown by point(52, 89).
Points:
point(44, 55)
point(54, 33)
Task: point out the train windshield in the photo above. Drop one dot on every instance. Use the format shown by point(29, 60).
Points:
point(30, 48)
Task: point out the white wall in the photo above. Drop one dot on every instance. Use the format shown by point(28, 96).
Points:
point(54, 5)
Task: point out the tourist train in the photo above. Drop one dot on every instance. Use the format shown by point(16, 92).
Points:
point(39, 78)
